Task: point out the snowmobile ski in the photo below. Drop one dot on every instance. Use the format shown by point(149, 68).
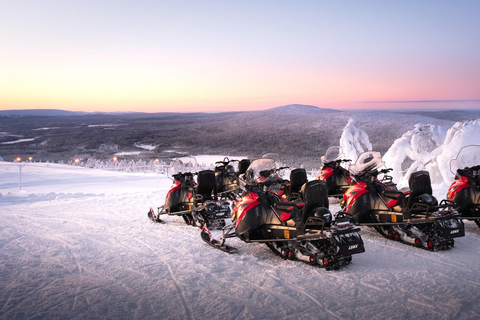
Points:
point(206, 237)
point(152, 216)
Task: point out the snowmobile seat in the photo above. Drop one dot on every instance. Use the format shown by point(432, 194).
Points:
point(206, 185)
point(420, 189)
point(314, 195)
point(298, 177)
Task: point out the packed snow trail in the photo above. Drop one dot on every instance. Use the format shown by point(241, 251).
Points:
point(98, 256)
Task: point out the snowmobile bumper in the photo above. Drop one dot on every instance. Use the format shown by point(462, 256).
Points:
point(450, 225)
point(348, 240)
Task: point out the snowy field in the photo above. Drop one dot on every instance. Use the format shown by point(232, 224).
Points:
point(76, 243)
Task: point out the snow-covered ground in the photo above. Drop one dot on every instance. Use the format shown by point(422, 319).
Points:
point(76, 243)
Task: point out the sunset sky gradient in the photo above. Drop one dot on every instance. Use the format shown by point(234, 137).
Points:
point(156, 56)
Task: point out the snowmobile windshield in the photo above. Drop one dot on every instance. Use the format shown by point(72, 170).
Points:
point(183, 164)
point(333, 153)
point(261, 170)
point(468, 157)
point(367, 162)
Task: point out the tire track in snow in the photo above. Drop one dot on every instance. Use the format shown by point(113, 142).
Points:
point(175, 281)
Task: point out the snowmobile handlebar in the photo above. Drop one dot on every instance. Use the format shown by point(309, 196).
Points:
point(226, 161)
point(385, 170)
point(371, 174)
point(262, 184)
point(338, 161)
point(469, 170)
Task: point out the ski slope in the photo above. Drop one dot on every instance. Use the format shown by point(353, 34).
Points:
point(76, 243)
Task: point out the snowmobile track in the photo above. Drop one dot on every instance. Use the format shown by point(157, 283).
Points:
point(382, 232)
point(279, 254)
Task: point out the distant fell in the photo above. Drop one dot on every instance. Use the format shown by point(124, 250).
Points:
point(40, 113)
point(301, 108)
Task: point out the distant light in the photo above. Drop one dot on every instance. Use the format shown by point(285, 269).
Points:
point(157, 160)
point(114, 158)
point(76, 160)
point(19, 159)
point(30, 159)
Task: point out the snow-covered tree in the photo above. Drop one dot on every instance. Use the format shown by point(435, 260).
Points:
point(415, 150)
point(430, 147)
point(354, 141)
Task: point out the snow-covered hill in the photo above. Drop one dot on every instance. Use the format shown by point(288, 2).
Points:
point(76, 243)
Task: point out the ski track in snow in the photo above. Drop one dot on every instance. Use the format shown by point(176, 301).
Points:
point(177, 285)
point(98, 256)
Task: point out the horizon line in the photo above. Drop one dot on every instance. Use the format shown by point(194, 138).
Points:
point(421, 101)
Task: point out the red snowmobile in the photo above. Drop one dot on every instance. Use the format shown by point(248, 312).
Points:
point(465, 190)
point(412, 216)
point(337, 177)
point(300, 229)
point(198, 203)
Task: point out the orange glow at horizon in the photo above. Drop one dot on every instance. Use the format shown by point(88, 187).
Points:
point(108, 87)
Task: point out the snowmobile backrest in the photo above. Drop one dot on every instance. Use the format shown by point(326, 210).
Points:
point(298, 177)
point(419, 183)
point(206, 186)
point(243, 166)
point(314, 194)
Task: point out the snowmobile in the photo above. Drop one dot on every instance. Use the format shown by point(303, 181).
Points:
point(198, 203)
point(465, 190)
point(226, 177)
point(412, 216)
point(301, 229)
point(337, 177)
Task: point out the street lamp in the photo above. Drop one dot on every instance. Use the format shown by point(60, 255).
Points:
point(115, 163)
point(157, 161)
point(30, 159)
point(20, 165)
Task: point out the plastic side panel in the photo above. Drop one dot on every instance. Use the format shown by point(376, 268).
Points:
point(325, 174)
point(457, 185)
point(353, 193)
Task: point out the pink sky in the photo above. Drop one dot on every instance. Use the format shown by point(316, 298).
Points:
point(219, 56)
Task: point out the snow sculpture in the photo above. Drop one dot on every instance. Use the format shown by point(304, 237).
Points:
point(354, 141)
